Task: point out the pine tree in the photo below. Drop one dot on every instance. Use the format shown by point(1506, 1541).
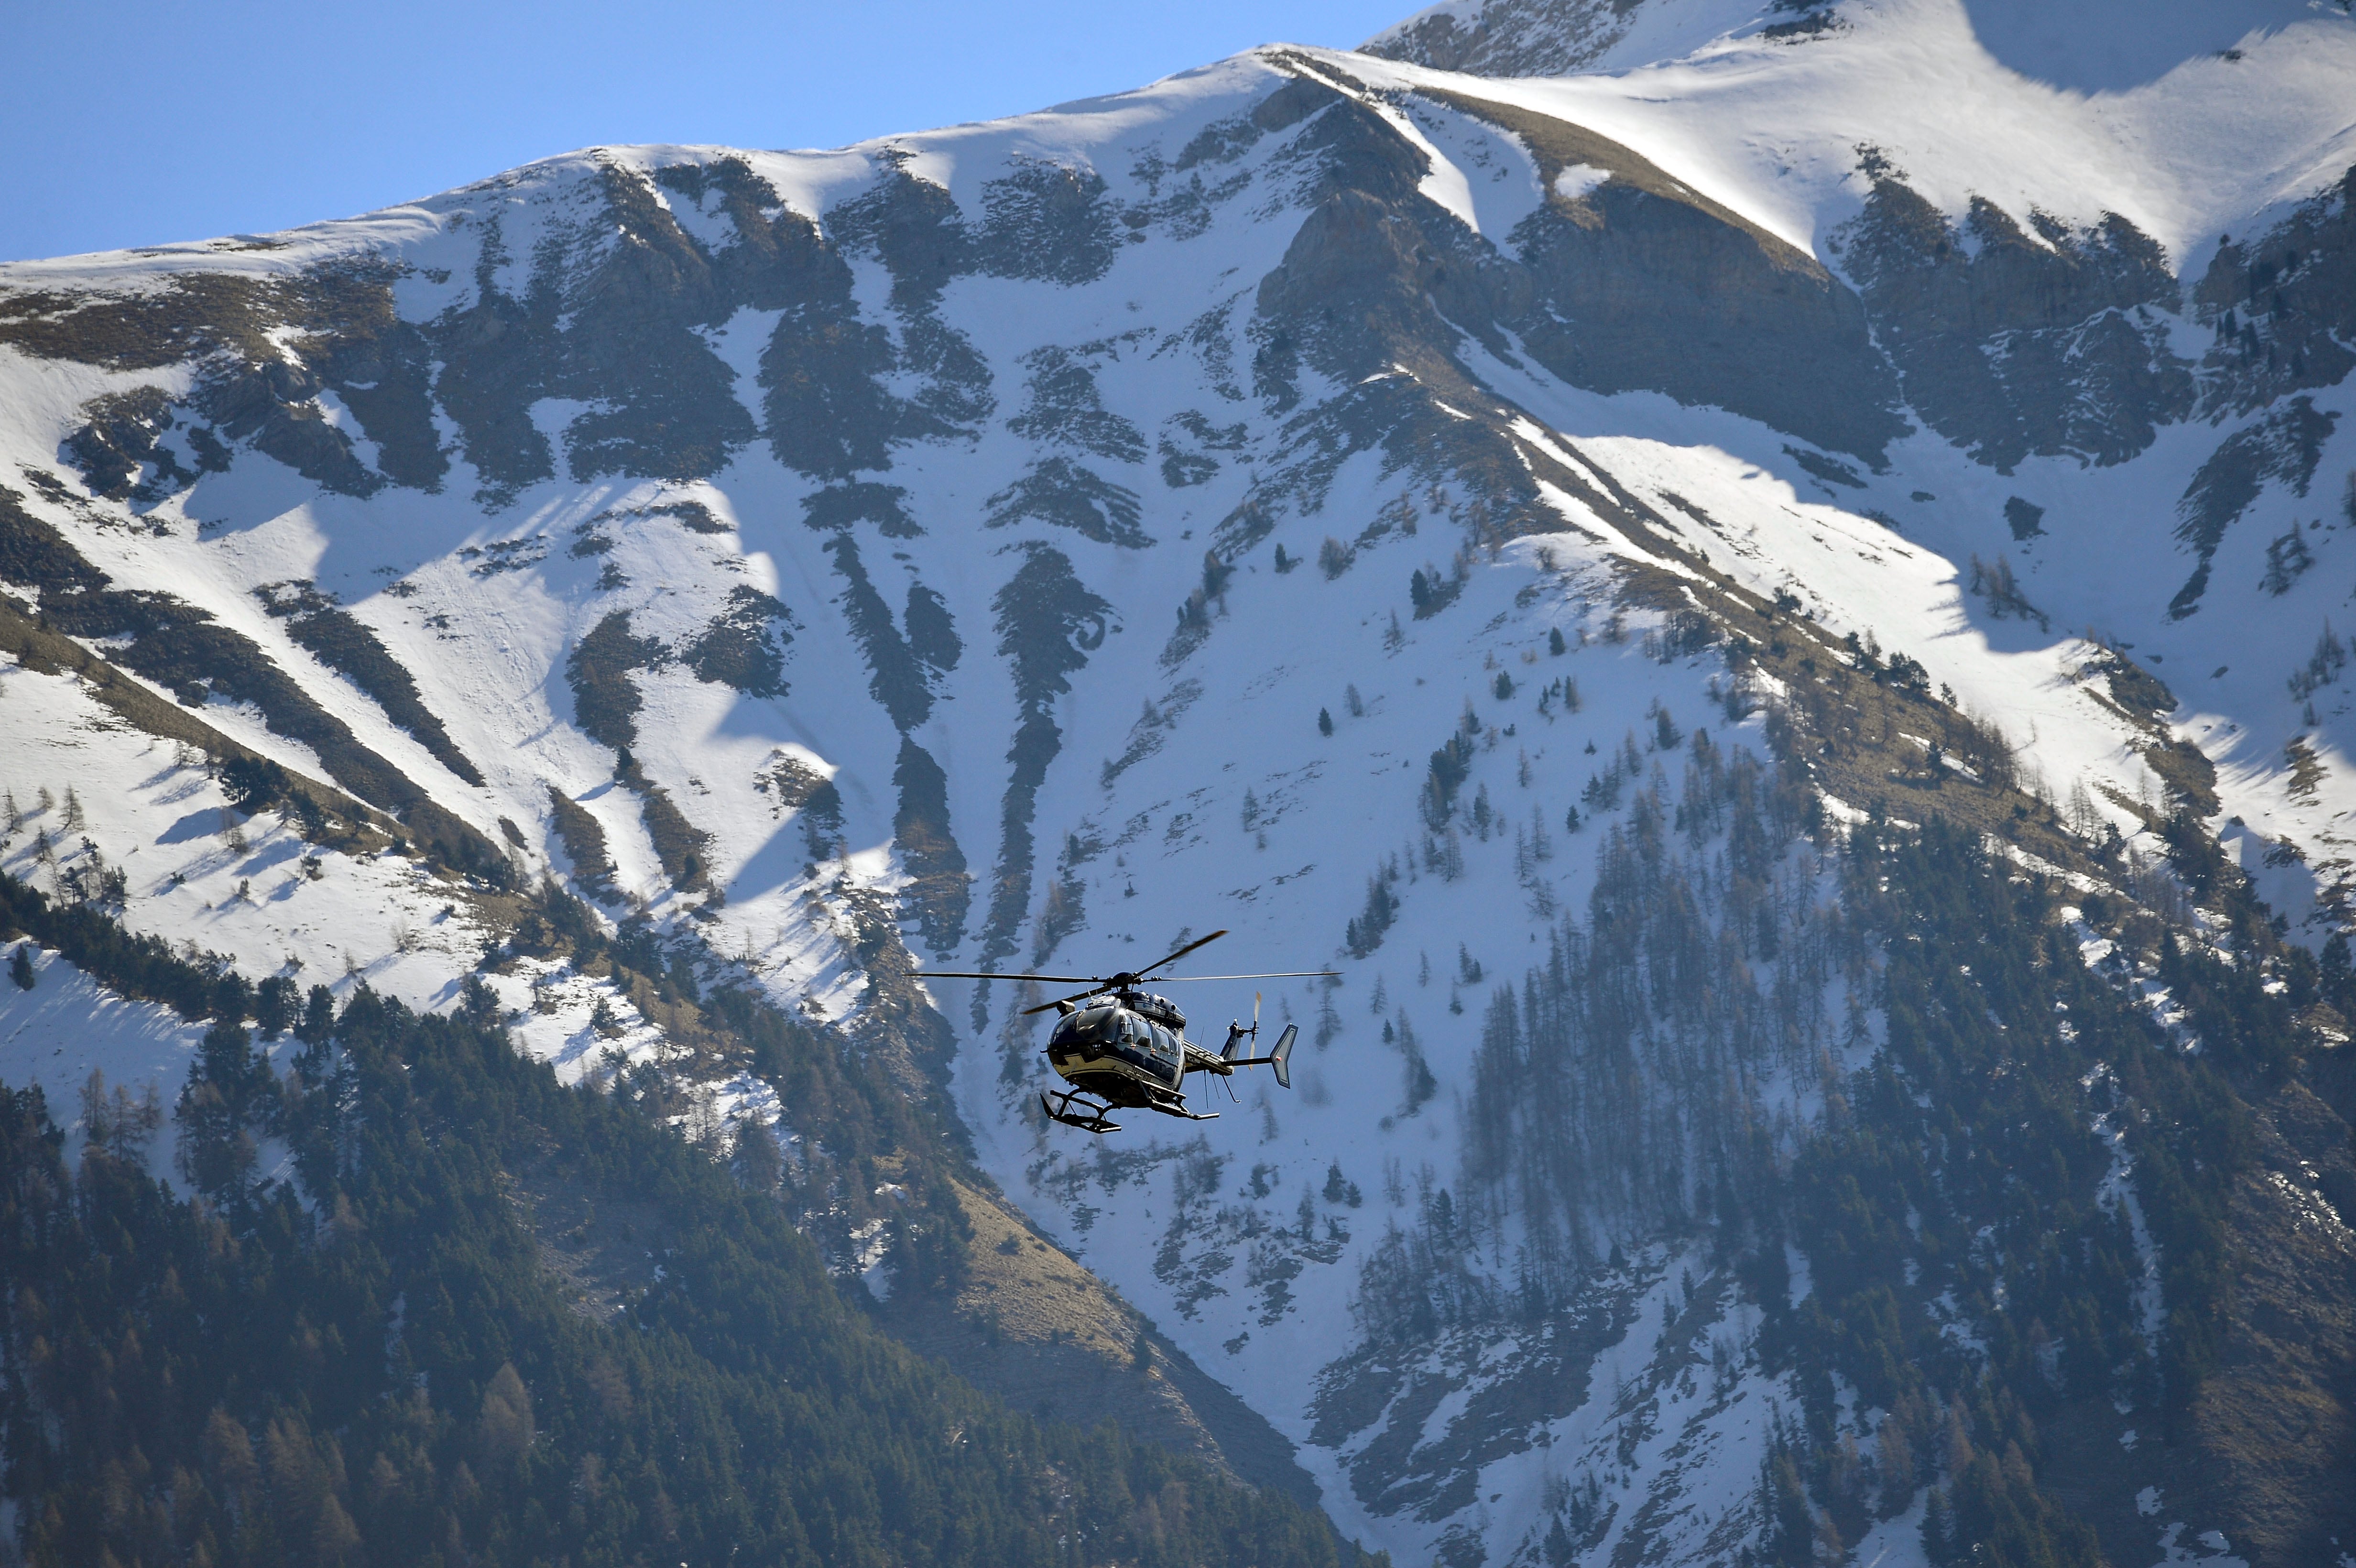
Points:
point(759, 1167)
point(20, 966)
point(318, 1020)
point(1938, 1528)
point(274, 1006)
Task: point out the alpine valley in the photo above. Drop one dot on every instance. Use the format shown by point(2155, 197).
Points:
point(1762, 579)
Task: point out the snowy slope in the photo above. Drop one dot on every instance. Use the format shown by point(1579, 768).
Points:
point(1023, 538)
point(2082, 48)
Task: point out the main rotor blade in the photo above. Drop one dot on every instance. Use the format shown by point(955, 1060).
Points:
point(1280, 975)
point(1182, 953)
point(1060, 1001)
point(978, 975)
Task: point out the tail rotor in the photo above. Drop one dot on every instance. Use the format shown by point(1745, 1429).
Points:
point(1280, 1057)
point(1237, 1034)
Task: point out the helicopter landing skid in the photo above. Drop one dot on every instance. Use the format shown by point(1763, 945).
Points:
point(1092, 1116)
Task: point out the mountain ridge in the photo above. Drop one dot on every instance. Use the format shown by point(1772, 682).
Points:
point(2087, 51)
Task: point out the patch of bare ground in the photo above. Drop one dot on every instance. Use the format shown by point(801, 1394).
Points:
point(1033, 1326)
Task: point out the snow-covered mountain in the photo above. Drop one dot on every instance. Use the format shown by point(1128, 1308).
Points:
point(1412, 508)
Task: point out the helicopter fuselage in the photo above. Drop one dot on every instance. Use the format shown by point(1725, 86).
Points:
point(1132, 1051)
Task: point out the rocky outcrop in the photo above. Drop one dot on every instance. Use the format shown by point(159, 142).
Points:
point(2012, 345)
point(2283, 306)
point(1048, 623)
point(120, 451)
point(1641, 284)
point(1509, 37)
point(2285, 446)
point(1071, 495)
point(939, 891)
point(744, 645)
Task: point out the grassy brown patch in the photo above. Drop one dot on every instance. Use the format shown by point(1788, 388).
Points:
point(1846, 727)
point(584, 843)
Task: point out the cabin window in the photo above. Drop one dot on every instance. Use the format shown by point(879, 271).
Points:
point(1090, 1028)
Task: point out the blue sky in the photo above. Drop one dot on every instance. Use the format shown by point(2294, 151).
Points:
point(141, 122)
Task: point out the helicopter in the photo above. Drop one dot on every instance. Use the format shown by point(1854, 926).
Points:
point(1120, 1047)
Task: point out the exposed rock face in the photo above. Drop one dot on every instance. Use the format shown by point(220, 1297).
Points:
point(1372, 293)
point(2283, 306)
point(2009, 343)
point(2284, 446)
point(1641, 284)
point(1509, 37)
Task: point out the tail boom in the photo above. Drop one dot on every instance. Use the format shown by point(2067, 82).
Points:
point(1281, 1058)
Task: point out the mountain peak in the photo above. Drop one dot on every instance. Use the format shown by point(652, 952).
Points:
point(2104, 47)
point(1534, 38)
